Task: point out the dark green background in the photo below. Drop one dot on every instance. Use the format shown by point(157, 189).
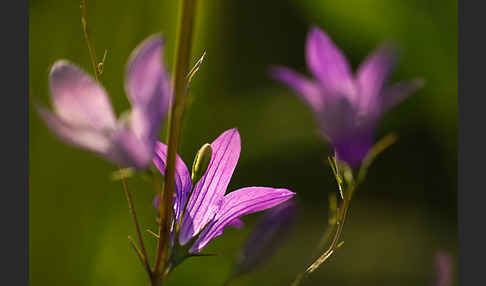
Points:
point(401, 216)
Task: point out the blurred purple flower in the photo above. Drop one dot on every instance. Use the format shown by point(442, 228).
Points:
point(266, 237)
point(83, 115)
point(208, 210)
point(347, 107)
point(443, 264)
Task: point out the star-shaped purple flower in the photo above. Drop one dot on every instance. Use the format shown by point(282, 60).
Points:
point(208, 210)
point(346, 106)
point(83, 115)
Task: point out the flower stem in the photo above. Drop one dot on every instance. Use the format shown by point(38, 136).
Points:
point(84, 23)
point(176, 114)
point(142, 253)
point(131, 206)
point(335, 239)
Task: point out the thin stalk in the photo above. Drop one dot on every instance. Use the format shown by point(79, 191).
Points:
point(137, 251)
point(131, 206)
point(176, 114)
point(335, 240)
point(84, 23)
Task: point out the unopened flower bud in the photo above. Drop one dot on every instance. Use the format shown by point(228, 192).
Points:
point(201, 162)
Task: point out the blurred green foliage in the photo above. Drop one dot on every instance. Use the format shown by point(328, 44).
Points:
point(406, 210)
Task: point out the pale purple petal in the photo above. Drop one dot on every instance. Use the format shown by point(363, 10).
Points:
point(372, 75)
point(85, 137)
point(328, 64)
point(119, 146)
point(146, 77)
point(395, 94)
point(148, 87)
point(130, 151)
point(238, 203)
point(182, 177)
point(209, 191)
point(305, 88)
point(78, 99)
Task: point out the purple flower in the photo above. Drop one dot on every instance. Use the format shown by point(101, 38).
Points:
point(266, 237)
point(83, 115)
point(346, 106)
point(208, 210)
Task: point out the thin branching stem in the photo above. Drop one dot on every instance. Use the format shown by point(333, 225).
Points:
point(139, 253)
point(84, 23)
point(131, 206)
point(339, 225)
point(337, 228)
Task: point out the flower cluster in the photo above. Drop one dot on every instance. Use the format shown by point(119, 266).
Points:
point(347, 108)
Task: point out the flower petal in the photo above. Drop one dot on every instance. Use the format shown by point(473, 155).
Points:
point(328, 64)
point(130, 151)
point(238, 203)
point(393, 95)
point(182, 177)
point(146, 77)
point(148, 87)
point(337, 118)
point(308, 90)
point(84, 137)
point(78, 99)
point(372, 75)
point(209, 191)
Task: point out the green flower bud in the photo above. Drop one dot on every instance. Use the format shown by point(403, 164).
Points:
point(201, 162)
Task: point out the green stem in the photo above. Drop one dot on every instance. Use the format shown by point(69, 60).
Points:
point(142, 253)
point(84, 23)
point(131, 206)
point(176, 114)
point(335, 241)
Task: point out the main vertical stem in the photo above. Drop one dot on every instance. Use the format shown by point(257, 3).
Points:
point(176, 114)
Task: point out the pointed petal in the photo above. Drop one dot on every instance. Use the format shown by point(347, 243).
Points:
point(182, 177)
point(396, 93)
point(372, 75)
point(308, 90)
point(238, 203)
point(84, 137)
point(78, 99)
point(148, 87)
point(146, 76)
point(209, 191)
point(328, 64)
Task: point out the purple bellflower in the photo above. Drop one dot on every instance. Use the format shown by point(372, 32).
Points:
point(83, 115)
point(346, 106)
point(269, 233)
point(204, 208)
